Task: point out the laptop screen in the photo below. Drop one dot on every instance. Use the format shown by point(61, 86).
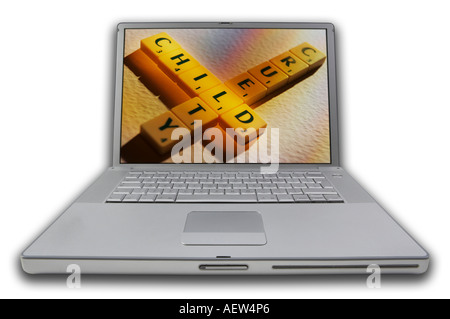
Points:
point(225, 96)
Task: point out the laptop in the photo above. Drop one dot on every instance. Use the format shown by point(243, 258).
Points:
point(225, 161)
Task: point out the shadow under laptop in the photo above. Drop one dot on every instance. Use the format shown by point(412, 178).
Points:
point(212, 281)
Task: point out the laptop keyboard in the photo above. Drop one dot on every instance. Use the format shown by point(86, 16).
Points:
point(224, 187)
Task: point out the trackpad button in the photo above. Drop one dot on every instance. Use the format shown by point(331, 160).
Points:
point(224, 228)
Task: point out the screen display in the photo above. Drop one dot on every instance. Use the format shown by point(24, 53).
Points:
point(225, 96)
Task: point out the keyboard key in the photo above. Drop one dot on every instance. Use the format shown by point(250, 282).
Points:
point(326, 184)
point(139, 191)
point(148, 198)
point(115, 198)
point(217, 192)
point(158, 132)
point(298, 185)
point(156, 191)
point(301, 198)
point(217, 198)
point(269, 75)
point(123, 191)
point(319, 191)
point(170, 191)
point(186, 191)
point(295, 191)
point(131, 198)
point(317, 198)
point(314, 185)
point(279, 191)
point(129, 186)
point(285, 198)
point(263, 192)
point(333, 198)
point(165, 198)
point(247, 88)
point(267, 198)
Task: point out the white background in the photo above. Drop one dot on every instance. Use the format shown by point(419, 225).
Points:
point(56, 98)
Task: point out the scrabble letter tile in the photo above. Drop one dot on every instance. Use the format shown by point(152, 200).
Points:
point(309, 54)
point(158, 45)
point(155, 79)
point(245, 121)
point(196, 110)
point(247, 88)
point(158, 131)
point(269, 75)
point(221, 99)
point(177, 62)
point(291, 65)
point(198, 80)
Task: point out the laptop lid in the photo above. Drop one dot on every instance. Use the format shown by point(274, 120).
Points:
point(268, 88)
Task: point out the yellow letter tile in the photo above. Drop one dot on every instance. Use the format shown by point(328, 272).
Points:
point(269, 75)
point(158, 131)
point(155, 79)
point(196, 110)
point(290, 64)
point(158, 44)
point(197, 80)
point(245, 121)
point(177, 62)
point(309, 54)
point(247, 88)
point(221, 99)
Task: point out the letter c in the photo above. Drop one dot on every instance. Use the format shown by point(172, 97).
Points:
point(161, 39)
point(306, 49)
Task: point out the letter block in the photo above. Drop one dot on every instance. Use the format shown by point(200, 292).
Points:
point(221, 99)
point(158, 45)
point(309, 54)
point(158, 131)
point(177, 62)
point(290, 64)
point(197, 80)
point(245, 121)
point(196, 110)
point(269, 75)
point(247, 88)
point(155, 79)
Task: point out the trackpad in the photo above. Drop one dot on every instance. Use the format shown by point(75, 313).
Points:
point(224, 228)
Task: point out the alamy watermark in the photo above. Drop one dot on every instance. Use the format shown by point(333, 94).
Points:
point(234, 145)
point(374, 279)
point(74, 279)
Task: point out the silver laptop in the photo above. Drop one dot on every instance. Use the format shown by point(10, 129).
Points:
point(225, 161)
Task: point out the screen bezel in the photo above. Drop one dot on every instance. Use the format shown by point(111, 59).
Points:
point(332, 94)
